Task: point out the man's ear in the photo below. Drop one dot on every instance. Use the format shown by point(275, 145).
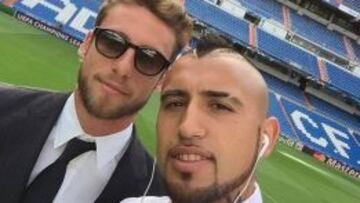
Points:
point(271, 129)
point(85, 46)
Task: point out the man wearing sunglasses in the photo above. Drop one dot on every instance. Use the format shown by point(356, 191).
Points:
point(82, 147)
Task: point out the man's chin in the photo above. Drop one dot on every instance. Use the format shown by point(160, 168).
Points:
point(188, 193)
point(107, 108)
point(188, 189)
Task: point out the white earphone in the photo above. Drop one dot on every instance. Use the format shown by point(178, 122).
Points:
point(150, 181)
point(265, 144)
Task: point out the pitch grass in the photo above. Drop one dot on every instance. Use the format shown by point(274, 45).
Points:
point(33, 58)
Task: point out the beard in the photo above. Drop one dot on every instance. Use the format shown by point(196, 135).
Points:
point(101, 110)
point(180, 193)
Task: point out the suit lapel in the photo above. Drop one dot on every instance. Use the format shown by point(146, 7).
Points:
point(23, 135)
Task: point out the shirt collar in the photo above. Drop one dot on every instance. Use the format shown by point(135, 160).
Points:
point(108, 148)
point(111, 147)
point(68, 125)
point(255, 196)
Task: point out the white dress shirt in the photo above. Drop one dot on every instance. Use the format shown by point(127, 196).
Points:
point(86, 175)
point(254, 198)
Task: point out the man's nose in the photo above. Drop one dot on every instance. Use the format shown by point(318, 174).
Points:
point(192, 123)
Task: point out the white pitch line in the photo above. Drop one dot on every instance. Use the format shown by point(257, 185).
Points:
point(306, 164)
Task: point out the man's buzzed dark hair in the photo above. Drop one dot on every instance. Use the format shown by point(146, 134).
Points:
point(210, 42)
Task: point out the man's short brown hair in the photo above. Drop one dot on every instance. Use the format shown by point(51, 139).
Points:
point(171, 12)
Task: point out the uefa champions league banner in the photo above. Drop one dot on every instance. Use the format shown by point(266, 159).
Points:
point(323, 135)
point(73, 17)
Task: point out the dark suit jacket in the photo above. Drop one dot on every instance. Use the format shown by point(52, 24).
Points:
point(26, 119)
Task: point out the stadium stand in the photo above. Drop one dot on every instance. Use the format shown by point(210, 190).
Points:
point(343, 79)
point(273, 46)
point(267, 9)
point(306, 62)
point(286, 52)
point(307, 129)
point(300, 24)
point(229, 24)
point(276, 109)
point(316, 131)
point(293, 93)
point(282, 92)
point(335, 113)
point(317, 33)
point(287, 99)
point(284, 89)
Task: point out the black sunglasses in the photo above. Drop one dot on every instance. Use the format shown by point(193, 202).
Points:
point(112, 44)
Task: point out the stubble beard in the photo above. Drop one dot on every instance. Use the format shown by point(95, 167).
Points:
point(96, 109)
point(180, 193)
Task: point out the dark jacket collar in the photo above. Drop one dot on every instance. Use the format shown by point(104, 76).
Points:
point(22, 135)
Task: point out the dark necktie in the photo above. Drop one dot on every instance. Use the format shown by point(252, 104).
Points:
point(46, 185)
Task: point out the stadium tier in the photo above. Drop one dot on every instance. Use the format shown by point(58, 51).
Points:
point(285, 89)
point(322, 134)
point(312, 103)
point(317, 33)
point(277, 110)
point(331, 111)
point(233, 26)
point(300, 24)
point(286, 52)
point(343, 79)
point(267, 43)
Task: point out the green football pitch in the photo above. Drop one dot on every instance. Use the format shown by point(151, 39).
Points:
point(30, 57)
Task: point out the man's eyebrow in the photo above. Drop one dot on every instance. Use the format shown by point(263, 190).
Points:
point(221, 94)
point(173, 93)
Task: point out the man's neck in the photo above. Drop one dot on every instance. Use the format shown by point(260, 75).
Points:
point(246, 194)
point(249, 190)
point(99, 127)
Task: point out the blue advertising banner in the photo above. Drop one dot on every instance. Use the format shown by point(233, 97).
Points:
point(74, 17)
point(42, 26)
point(324, 135)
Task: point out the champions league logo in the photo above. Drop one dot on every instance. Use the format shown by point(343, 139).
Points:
point(73, 17)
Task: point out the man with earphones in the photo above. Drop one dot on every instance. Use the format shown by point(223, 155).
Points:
point(213, 127)
point(82, 146)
